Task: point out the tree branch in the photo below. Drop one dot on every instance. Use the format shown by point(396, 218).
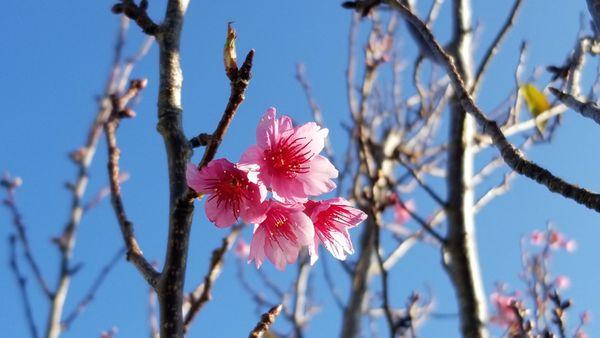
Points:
point(588, 109)
point(138, 14)
point(493, 48)
point(22, 282)
point(134, 253)
point(202, 294)
point(511, 156)
point(89, 297)
point(11, 184)
point(236, 97)
point(266, 321)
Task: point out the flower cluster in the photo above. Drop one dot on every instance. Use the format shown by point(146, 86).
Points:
point(270, 187)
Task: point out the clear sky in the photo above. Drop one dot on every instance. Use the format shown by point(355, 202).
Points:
point(55, 57)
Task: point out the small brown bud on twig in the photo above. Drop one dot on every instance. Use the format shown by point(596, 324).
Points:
point(139, 83)
point(127, 113)
point(266, 320)
point(229, 54)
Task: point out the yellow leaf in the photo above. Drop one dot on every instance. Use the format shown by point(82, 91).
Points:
point(536, 102)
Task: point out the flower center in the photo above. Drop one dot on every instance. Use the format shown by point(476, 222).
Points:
point(289, 157)
point(229, 190)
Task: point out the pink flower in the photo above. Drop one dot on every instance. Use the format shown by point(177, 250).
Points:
point(505, 315)
point(288, 158)
point(570, 245)
point(280, 235)
point(402, 212)
point(562, 282)
point(231, 193)
point(242, 249)
point(537, 237)
point(332, 218)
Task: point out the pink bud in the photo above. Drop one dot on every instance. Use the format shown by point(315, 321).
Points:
point(562, 282)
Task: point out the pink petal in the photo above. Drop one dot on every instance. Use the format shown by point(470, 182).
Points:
point(270, 128)
point(192, 175)
point(318, 180)
point(222, 216)
point(314, 136)
point(257, 247)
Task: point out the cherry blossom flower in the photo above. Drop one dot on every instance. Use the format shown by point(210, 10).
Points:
point(402, 211)
point(281, 234)
point(555, 240)
point(562, 282)
point(242, 249)
point(537, 237)
point(332, 218)
point(231, 193)
point(505, 315)
point(288, 159)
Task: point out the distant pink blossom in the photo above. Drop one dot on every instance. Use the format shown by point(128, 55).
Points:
point(231, 193)
point(242, 249)
point(332, 218)
point(585, 317)
point(570, 245)
point(538, 237)
point(505, 315)
point(554, 239)
point(402, 211)
point(562, 282)
point(281, 234)
point(581, 334)
point(288, 159)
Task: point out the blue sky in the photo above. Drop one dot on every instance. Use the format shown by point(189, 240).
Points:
point(56, 56)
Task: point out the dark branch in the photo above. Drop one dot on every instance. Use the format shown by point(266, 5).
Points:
point(511, 156)
point(134, 253)
point(22, 282)
point(238, 90)
point(493, 49)
point(588, 109)
point(137, 13)
point(89, 297)
point(199, 297)
point(10, 185)
point(266, 320)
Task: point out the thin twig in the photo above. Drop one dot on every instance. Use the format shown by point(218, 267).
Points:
point(238, 90)
point(314, 107)
point(134, 253)
point(89, 297)
point(511, 156)
point(9, 202)
point(22, 282)
point(588, 109)
point(266, 320)
point(493, 48)
point(202, 294)
point(137, 14)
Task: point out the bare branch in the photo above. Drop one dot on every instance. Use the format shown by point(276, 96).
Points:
point(511, 156)
point(22, 282)
point(89, 297)
point(202, 294)
point(134, 253)
point(314, 107)
point(493, 48)
point(266, 321)
point(238, 90)
point(138, 14)
point(10, 184)
point(588, 109)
